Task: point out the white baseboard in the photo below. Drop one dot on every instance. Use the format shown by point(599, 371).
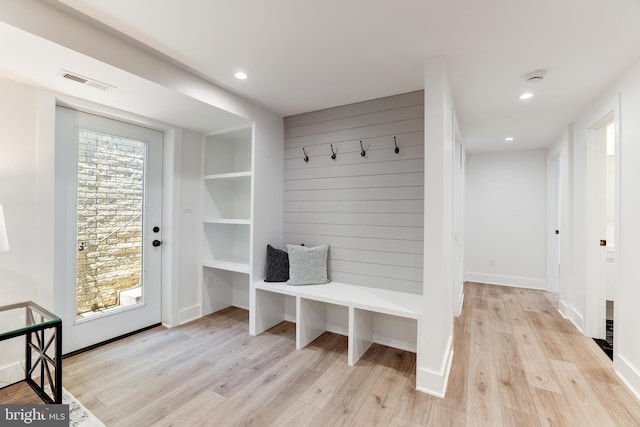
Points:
point(10, 374)
point(570, 313)
point(335, 329)
point(190, 313)
point(629, 375)
point(395, 343)
point(377, 338)
point(432, 382)
point(514, 281)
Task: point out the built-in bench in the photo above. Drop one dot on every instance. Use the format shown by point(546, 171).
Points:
point(372, 315)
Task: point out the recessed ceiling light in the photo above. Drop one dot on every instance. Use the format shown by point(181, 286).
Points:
point(535, 76)
point(509, 139)
point(526, 95)
point(241, 75)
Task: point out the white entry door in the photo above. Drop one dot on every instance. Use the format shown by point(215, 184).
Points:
point(108, 239)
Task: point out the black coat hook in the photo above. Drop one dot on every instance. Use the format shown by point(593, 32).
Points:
point(397, 150)
point(306, 157)
point(362, 153)
point(333, 153)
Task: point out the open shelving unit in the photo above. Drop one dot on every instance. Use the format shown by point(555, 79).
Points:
point(227, 220)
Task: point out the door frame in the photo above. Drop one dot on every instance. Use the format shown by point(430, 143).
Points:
point(595, 283)
point(458, 182)
point(553, 222)
point(81, 333)
point(171, 210)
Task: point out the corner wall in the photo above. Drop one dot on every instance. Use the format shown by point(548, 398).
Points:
point(435, 327)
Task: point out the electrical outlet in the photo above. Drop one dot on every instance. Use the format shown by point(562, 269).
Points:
point(188, 207)
point(492, 261)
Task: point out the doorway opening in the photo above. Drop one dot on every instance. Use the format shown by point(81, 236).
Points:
point(609, 243)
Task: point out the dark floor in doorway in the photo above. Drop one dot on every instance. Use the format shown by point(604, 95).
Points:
point(607, 345)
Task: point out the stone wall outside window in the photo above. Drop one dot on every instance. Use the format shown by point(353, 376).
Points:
point(110, 200)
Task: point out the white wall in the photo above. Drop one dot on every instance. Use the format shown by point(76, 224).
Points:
point(18, 195)
point(268, 168)
point(190, 226)
point(506, 218)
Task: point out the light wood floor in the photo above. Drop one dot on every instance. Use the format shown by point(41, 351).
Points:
point(516, 362)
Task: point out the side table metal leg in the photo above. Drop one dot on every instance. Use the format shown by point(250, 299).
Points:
point(58, 391)
point(27, 356)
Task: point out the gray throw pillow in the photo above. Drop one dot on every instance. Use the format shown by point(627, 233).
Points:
point(277, 265)
point(307, 266)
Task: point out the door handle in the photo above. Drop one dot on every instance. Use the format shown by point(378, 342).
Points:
point(603, 243)
point(156, 243)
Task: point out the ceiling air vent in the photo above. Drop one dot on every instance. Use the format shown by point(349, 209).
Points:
point(74, 78)
point(84, 80)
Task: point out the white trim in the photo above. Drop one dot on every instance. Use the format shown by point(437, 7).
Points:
point(334, 329)
point(553, 223)
point(171, 189)
point(628, 374)
point(572, 315)
point(595, 279)
point(395, 343)
point(435, 383)
point(189, 314)
point(514, 281)
point(377, 338)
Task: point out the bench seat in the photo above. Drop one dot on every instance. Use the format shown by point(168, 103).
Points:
point(267, 301)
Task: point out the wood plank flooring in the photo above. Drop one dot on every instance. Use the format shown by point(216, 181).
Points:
point(517, 362)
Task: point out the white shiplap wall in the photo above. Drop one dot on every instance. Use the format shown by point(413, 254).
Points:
point(370, 209)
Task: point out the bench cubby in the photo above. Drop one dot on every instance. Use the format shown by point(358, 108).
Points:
point(373, 315)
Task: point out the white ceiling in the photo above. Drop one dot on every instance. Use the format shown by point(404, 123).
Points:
point(34, 60)
point(304, 55)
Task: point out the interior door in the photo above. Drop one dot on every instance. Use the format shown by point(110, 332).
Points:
point(595, 313)
point(109, 187)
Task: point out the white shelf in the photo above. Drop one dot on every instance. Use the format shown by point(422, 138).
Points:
point(232, 221)
point(231, 175)
point(226, 217)
point(228, 152)
point(237, 265)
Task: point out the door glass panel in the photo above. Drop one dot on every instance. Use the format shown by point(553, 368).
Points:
point(111, 183)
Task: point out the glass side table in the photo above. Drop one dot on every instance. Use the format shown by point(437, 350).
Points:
point(42, 368)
